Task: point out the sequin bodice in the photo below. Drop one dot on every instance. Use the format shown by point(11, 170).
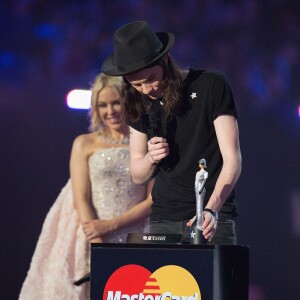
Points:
point(113, 191)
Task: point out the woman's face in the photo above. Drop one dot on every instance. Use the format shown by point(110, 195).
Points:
point(147, 81)
point(109, 108)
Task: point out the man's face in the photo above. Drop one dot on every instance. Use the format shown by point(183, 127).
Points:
point(147, 81)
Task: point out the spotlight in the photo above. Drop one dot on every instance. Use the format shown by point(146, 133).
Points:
point(79, 99)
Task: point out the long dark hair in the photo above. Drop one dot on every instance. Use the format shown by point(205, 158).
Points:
point(136, 103)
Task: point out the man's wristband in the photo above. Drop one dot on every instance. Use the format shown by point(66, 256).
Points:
point(214, 213)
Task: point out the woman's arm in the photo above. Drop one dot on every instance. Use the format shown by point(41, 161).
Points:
point(136, 213)
point(145, 155)
point(81, 185)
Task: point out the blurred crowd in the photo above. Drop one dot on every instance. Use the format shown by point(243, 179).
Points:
point(255, 43)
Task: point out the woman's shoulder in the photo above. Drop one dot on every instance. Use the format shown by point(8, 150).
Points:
point(85, 141)
point(86, 138)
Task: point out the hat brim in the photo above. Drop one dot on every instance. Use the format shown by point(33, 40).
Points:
point(167, 39)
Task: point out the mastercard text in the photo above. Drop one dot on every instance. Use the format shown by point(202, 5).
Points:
point(117, 295)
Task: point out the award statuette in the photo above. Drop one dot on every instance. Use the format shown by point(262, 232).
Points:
point(196, 236)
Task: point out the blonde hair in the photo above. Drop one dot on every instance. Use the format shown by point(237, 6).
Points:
point(101, 81)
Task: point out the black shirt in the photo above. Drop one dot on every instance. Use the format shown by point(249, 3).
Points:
point(191, 136)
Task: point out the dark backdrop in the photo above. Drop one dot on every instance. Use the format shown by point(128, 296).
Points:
point(50, 47)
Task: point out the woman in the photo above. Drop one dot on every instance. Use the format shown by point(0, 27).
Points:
point(99, 204)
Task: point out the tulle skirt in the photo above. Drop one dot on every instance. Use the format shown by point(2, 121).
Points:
point(61, 255)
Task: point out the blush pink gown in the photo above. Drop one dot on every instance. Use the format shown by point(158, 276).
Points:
point(62, 252)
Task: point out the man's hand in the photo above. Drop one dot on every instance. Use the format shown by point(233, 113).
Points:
point(158, 149)
point(209, 225)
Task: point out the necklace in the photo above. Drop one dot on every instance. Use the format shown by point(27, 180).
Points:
point(105, 138)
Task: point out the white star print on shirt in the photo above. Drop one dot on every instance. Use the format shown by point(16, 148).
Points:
point(194, 95)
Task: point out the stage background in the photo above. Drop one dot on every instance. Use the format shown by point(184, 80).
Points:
point(48, 48)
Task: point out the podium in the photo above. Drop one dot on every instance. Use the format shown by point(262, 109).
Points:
point(169, 272)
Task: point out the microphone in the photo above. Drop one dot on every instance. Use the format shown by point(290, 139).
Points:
point(154, 116)
point(85, 278)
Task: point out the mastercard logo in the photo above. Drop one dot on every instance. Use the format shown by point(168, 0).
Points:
point(135, 282)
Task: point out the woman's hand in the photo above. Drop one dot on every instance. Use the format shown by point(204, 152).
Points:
point(97, 228)
point(96, 240)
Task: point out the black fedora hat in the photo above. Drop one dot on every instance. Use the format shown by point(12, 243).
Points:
point(135, 47)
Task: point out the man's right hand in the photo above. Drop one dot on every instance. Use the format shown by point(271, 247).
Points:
point(158, 149)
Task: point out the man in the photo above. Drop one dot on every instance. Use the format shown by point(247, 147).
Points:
point(177, 116)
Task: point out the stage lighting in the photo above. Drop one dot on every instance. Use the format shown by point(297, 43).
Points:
point(79, 99)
